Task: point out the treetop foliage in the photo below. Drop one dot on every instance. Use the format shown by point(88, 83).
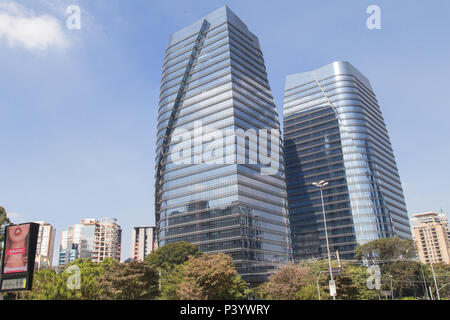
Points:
point(181, 271)
point(4, 221)
point(171, 255)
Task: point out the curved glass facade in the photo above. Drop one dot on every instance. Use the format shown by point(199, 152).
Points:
point(215, 107)
point(334, 131)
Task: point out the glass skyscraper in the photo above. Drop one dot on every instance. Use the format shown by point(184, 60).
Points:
point(334, 131)
point(217, 127)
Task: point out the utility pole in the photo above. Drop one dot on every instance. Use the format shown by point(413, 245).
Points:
point(424, 283)
point(435, 282)
point(159, 282)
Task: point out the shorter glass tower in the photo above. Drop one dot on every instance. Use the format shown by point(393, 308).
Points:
point(334, 131)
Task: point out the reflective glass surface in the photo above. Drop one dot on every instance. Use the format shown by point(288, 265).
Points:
point(214, 75)
point(334, 131)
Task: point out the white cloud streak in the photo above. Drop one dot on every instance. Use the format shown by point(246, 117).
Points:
point(13, 215)
point(21, 27)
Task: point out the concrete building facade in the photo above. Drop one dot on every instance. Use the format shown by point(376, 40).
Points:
point(107, 240)
point(432, 238)
point(45, 245)
point(143, 242)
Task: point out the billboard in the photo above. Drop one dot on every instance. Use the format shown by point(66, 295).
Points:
point(18, 257)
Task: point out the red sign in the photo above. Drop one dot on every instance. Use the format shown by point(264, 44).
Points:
point(16, 251)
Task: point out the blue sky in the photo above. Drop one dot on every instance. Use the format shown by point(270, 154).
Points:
point(78, 108)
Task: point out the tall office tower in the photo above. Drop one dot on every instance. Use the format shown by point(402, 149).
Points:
point(45, 245)
point(143, 242)
point(107, 241)
point(432, 238)
point(334, 131)
point(213, 187)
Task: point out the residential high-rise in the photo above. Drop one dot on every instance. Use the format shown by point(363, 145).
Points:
point(77, 242)
point(45, 245)
point(91, 239)
point(432, 237)
point(108, 239)
point(66, 239)
point(213, 187)
point(334, 131)
point(143, 242)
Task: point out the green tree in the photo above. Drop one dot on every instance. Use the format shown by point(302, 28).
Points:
point(405, 277)
point(319, 271)
point(386, 249)
point(351, 284)
point(130, 281)
point(211, 277)
point(309, 292)
point(442, 273)
point(90, 273)
point(168, 261)
point(171, 255)
point(4, 221)
point(393, 255)
point(290, 282)
point(51, 285)
point(170, 281)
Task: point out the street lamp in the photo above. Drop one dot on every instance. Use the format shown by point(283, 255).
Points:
point(321, 185)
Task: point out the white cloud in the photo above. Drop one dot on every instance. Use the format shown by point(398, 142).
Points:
point(21, 27)
point(14, 215)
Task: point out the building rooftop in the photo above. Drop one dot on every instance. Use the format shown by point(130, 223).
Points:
point(426, 214)
point(334, 68)
point(215, 18)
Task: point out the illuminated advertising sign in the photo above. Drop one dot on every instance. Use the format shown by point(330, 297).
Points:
point(18, 257)
point(16, 248)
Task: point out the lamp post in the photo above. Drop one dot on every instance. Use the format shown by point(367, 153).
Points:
point(321, 185)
